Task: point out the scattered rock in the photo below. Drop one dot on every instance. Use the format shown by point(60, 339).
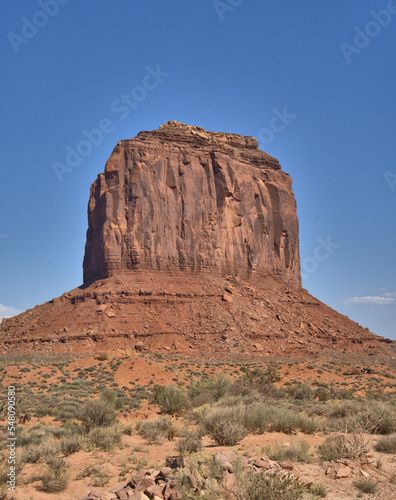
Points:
point(140, 346)
point(175, 462)
point(287, 465)
point(227, 297)
point(343, 473)
point(261, 464)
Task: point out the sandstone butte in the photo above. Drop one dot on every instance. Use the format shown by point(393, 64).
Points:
point(192, 247)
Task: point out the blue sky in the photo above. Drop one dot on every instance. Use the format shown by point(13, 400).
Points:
point(234, 65)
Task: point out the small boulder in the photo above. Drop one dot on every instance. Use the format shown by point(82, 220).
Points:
point(261, 464)
point(175, 462)
point(286, 465)
point(136, 478)
point(140, 346)
point(343, 473)
point(226, 297)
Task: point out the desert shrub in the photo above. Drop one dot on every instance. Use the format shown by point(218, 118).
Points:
point(32, 436)
point(365, 485)
point(128, 428)
point(343, 410)
point(271, 486)
point(98, 413)
point(307, 425)
point(170, 399)
point(32, 454)
point(105, 438)
point(301, 391)
point(211, 488)
point(55, 479)
point(386, 444)
point(102, 356)
point(209, 391)
point(258, 417)
point(285, 421)
point(322, 394)
point(158, 430)
point(99, 477)
point(318, 490)
point(378, 419)
point(346, 446)
point(297, 450)
point(225, 425)
point(197, 414)
point(191, 442)
point(272, 372)
point(71, 444)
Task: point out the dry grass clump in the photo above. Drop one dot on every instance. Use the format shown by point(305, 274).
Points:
point(191, 442)
point(345, 446)
point(55, 479)
point(157, 431)
point(386, 444)
point(225, 425)
point(297, 451)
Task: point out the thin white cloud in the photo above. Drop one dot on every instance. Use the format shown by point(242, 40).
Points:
point(373, 301)
point(8, 312)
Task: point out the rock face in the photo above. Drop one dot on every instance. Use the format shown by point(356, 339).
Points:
point(187, 199)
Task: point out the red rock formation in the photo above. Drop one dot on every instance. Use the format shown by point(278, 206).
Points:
point(184, 198)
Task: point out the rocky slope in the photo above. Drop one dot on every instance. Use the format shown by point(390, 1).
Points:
point(184, 198)
point(197, 314)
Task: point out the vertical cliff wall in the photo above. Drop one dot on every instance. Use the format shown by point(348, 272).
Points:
point(184, 198)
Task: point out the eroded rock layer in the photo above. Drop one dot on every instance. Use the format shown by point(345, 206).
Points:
point(187, 199)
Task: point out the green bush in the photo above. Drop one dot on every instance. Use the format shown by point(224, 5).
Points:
point(98, 413)
point(258, 418)
point(285, 421)
point(301, 391)
point(158, 430)
point(307, 425)
point(209, 391)
point(170, 399)
point(71, 444)
point(225, 425)
point(105, 438)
